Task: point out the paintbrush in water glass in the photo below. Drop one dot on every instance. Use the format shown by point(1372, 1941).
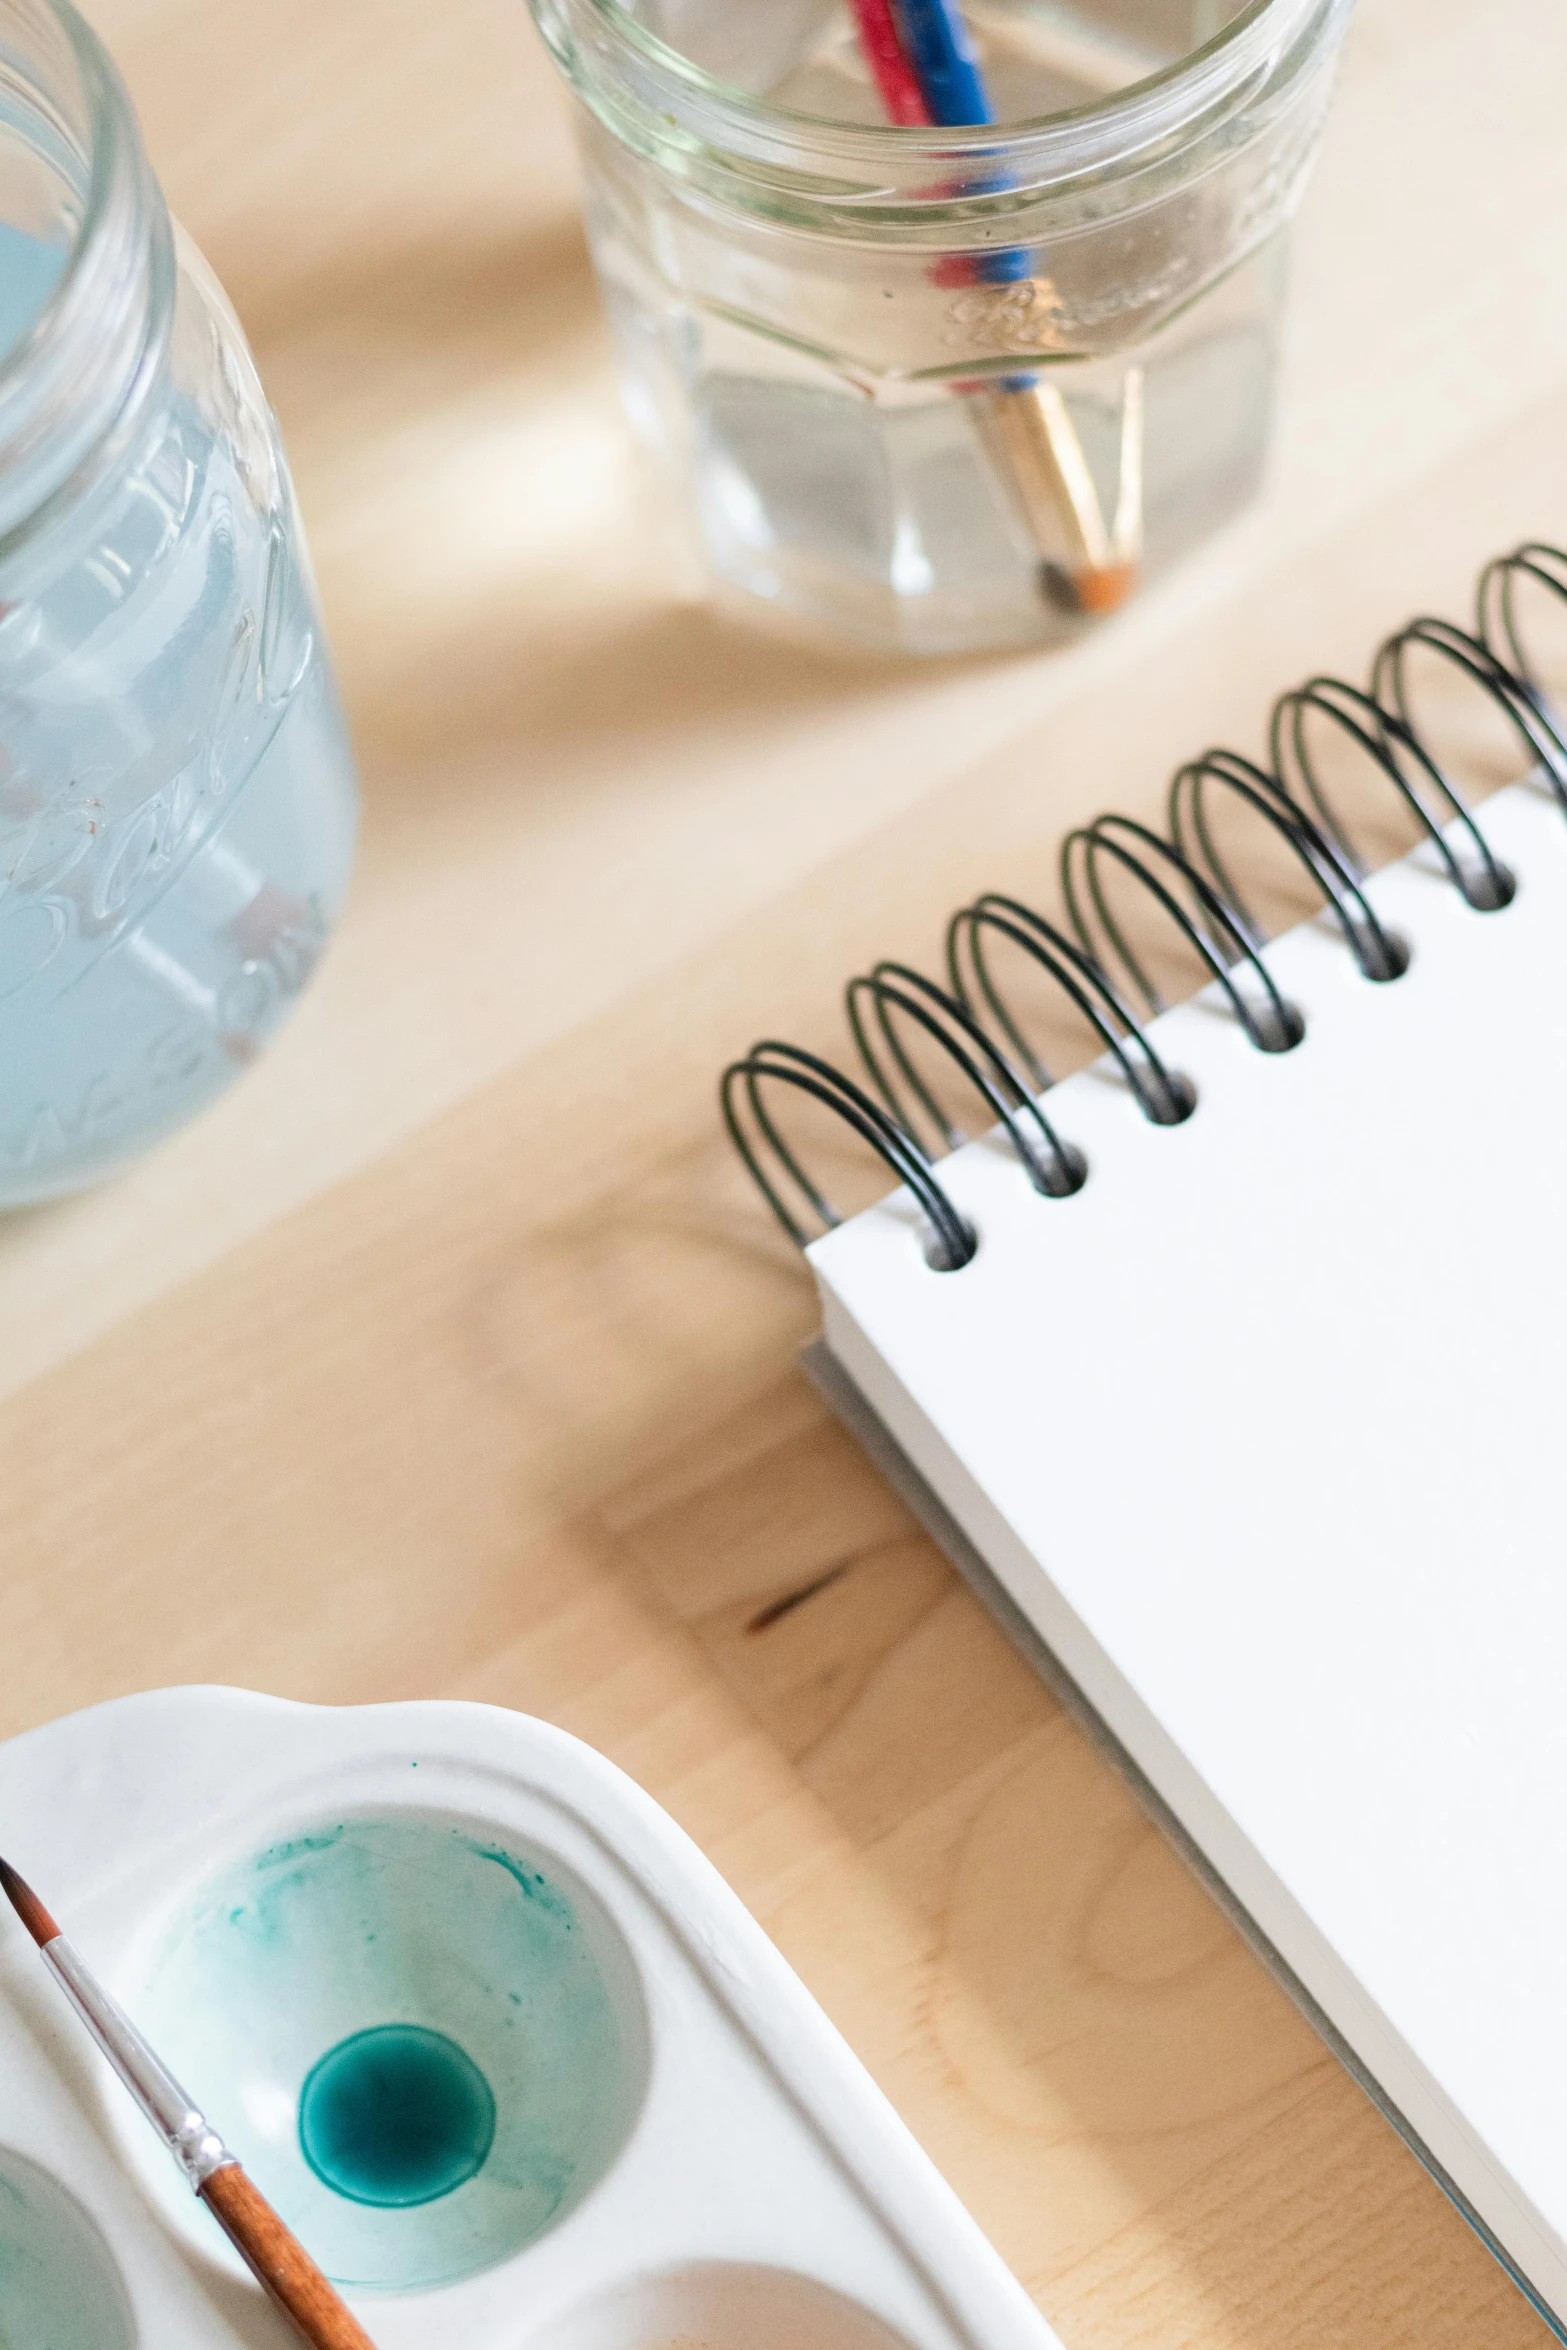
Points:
point(925, 67)
point(273, 2254)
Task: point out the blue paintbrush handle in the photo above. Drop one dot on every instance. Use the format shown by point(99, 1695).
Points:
point(941, 52)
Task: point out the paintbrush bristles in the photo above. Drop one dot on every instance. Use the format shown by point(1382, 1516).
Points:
point(27, 1906)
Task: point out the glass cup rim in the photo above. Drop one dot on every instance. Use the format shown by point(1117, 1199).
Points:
point(1043, 147)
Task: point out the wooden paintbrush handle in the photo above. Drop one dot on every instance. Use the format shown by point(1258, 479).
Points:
point(281, 2262)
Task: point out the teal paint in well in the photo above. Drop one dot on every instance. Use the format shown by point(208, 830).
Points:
point(396, 2116)
point(59, 2286)
point(424, 2041)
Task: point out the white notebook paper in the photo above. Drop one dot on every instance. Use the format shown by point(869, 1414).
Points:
point(1264, 1430)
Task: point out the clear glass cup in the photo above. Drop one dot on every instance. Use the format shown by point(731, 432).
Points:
point(177, 796)
point(945, 390)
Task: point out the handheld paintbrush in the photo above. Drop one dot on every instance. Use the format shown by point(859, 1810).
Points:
point(273, 2254)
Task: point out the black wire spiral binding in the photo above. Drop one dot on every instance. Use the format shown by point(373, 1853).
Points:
point(1163, 1095)
point(787, 1064)
point(1381, 954)
point(1053, 1167)
point(1497, 622)
point(1210, 928)
point(1391, 744)
point(1189, 880)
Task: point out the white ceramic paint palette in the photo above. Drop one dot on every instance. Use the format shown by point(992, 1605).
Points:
point(479, 2018)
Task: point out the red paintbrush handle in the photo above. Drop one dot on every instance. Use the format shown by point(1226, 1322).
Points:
point(280, 2262)
point(895, 77)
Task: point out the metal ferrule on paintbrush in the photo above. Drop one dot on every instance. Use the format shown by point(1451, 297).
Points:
point(179, 2122)
point(274, 2256)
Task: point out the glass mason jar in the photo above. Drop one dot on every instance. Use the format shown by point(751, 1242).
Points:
point(177, 798)
point(944, 390)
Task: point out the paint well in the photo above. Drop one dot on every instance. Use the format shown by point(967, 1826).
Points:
point(425, 2041)
point(396, 2116)
point(59, 2286)
point(721, 2305)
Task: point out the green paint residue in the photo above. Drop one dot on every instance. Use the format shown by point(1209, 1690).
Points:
point(296, 1848)
point(537, 1888)
point(396, 2116)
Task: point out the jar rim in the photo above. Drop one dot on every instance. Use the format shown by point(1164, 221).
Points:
point(1046, 147)
point(71, 377)
point(107, 114)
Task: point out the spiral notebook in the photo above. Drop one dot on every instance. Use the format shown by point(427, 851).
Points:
point(1258, 1437)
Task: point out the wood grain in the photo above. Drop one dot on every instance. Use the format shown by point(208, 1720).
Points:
point(280, 2262)
point(452, 1356)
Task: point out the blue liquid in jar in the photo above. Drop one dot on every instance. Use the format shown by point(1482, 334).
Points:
point(396, 2116)
point(29, 272)
point(177, 802)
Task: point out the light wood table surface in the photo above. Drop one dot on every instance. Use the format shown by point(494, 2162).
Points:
point(451, 1356)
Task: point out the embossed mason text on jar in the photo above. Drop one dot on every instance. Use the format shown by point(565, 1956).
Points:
point(922, 385)
point(177, 800)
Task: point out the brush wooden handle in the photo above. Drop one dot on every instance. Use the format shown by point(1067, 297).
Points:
point(280, 2262)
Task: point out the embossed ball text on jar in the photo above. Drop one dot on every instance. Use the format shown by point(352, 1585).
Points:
point(824, 323)
point(177, 798)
